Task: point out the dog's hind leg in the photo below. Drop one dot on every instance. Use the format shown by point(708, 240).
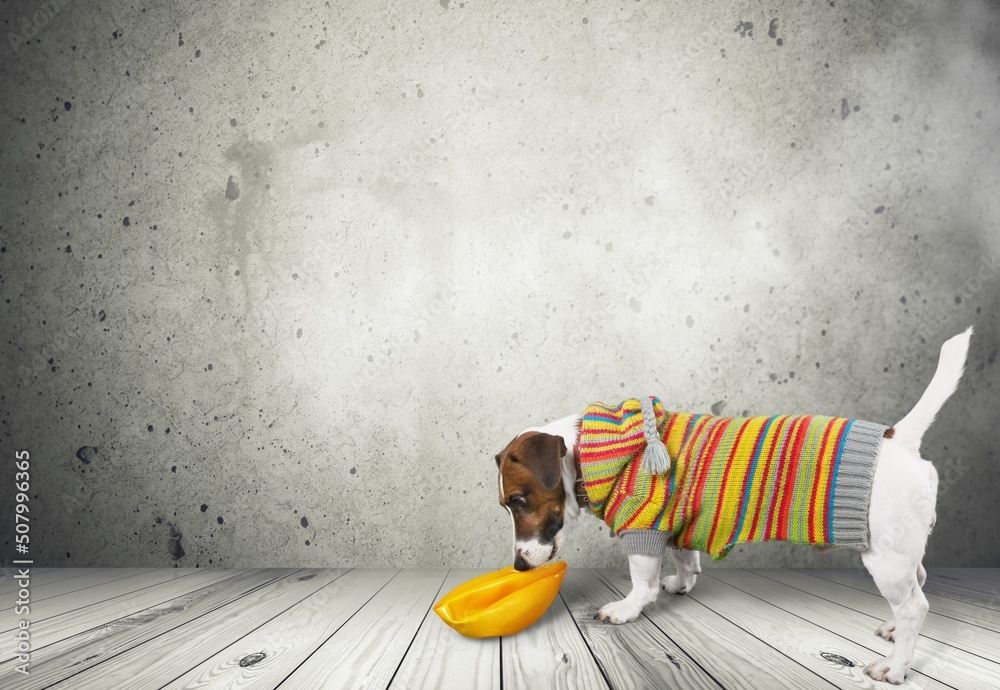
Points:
point(901, 507)
point(888, 629)
point(688, 568)
point(896, 577)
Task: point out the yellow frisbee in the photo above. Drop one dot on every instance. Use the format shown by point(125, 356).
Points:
point(502, 602)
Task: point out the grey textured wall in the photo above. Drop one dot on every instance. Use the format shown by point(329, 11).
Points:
point(278, 279)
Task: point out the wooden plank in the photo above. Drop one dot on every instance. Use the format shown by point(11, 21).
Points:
point(368, 648)
point(441, 658)
point(104, 613)
point(798, 639)
point(62, 660)
point(989, 577)
point(550, 654)
point(634, 655)
point(961, 634)
point(953, 577)
point(287, 639)
point(103, 592)
point(938, 661)
point(723, 649)
point(148, 666)
point(954, 592)
point(944, 589)
point(945, 614)
point(93, 578)
point(959, 585)
point(8, 570)
point(42, 577)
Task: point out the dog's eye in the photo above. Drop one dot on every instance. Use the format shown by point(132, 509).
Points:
point(519, 501)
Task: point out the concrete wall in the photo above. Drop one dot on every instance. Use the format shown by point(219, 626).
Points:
point(278, 279)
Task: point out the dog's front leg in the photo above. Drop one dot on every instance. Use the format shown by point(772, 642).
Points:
point(645, 574)
point(688, 568)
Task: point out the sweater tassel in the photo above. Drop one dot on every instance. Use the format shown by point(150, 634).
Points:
point(655, 459)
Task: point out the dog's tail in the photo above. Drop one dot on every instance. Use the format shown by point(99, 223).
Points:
point(911, 428)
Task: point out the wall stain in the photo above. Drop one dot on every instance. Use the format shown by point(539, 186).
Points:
point(174, 547)
point(236, 209)
point(86, 453)
point(772, 31)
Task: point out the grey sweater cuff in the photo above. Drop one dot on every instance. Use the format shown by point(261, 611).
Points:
point(644, 542)
point(852, 493)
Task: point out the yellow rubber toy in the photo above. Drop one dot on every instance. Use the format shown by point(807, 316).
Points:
point(503, 602)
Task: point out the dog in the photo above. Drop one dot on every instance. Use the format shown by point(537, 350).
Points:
point(541, 487)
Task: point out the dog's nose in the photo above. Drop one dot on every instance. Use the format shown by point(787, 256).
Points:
point(520, 564)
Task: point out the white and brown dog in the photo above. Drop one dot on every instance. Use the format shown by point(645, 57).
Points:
point(541, 487)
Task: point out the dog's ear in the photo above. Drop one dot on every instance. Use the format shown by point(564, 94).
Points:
point(542, 454)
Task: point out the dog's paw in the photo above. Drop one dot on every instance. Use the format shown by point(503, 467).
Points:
point(619, 612)
point(677, 585)
point(887, 631)
point(882, 670)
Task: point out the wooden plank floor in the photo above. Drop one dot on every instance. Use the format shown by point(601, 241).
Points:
point(374, 628)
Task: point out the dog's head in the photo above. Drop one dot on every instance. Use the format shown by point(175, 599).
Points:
point(533, 489)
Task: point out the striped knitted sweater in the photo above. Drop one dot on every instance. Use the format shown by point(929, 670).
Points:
point(804, 479)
